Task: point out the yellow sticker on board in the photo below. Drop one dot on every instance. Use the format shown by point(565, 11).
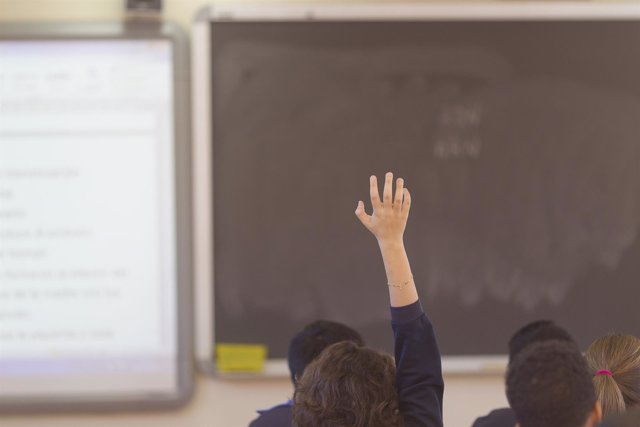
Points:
point(240, 357)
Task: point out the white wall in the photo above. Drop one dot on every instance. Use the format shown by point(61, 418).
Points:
point(216, 403)
point(232, 404)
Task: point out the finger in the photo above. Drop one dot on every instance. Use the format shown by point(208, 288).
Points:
point(397, 203)
point(362, 215)
point(373, 192)
point(388, 188)
point(406, 204)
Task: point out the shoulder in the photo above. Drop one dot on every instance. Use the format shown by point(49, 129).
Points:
point(503, 417)
point(278, 416)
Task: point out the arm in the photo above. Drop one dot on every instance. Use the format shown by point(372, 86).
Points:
point(387, 224)
point(418, 367)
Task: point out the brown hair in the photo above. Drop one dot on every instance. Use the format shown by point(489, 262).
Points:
point(620, 355)
point(347, 386)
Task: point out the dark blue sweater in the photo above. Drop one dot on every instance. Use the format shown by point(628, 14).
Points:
point(418, 367)
point(278, 416)
point(503, 417)
point(418, 373)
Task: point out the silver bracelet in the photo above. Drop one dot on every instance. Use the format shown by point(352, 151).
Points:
point(402, 285)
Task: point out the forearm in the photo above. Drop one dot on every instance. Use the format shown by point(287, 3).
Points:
point(402, 289)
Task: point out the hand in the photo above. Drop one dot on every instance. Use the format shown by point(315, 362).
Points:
point(389, 218)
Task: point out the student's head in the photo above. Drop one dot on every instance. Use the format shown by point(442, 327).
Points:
point(540, 330)
point(315, 337)
point(347, 386)
point(614, 362)
point(549, 385)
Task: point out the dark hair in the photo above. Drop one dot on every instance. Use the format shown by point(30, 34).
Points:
point(549, 385)
point(347, 386)
point(540, 330)
point(307, 344)
point(620, 355)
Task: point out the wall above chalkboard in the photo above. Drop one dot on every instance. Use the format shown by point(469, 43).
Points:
point(517, 137)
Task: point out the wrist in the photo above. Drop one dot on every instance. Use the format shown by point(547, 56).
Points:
point(391, 244)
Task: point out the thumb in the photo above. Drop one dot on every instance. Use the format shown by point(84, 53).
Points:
point(362, 216)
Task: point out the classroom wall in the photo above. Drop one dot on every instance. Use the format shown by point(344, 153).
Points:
point(216, 403)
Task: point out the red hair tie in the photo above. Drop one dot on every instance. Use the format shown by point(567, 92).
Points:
point(604, 372)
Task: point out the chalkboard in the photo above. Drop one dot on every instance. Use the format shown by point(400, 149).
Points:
point(520, 142)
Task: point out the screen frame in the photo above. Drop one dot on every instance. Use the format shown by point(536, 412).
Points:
point(182, 210)
point(204, 285)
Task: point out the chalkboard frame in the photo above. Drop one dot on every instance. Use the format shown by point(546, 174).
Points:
point(204, 291)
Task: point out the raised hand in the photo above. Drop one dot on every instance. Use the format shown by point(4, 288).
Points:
point(387, 223)
point(389, 217)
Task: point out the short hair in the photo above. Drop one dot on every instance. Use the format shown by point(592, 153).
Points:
point(619, 355)
point(347, 386)
point(540, 330)
point(307, 344)
point(549, 385)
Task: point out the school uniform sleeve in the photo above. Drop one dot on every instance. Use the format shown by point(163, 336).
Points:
point(418, 367)
point(503, 417)
point(278, 416)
